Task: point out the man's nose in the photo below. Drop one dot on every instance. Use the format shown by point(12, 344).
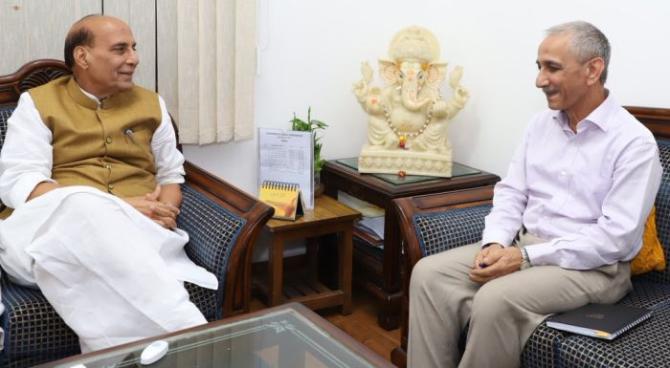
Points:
point(133, 58)
point(541, 81)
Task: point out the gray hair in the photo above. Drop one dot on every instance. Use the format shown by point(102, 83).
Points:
point(587, 42)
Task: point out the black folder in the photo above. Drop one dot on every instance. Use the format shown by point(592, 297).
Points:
point(604, 321)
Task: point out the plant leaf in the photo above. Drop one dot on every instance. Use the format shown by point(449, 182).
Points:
point(311, 125)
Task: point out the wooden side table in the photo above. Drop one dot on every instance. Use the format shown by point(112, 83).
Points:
point(379, 270)
point(328, 217)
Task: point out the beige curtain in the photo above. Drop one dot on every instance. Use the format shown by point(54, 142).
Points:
point(216, 64)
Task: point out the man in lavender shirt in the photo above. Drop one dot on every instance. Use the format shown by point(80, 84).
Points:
point(566, 220)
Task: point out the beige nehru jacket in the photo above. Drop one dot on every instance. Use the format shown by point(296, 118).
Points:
point(108, 146)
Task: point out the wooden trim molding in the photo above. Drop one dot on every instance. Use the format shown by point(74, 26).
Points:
point(32, 74)
point(655, 119)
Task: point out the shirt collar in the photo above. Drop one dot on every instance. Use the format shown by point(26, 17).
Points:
point(91, 96)
point(90, 101)
point(599, 117)
point(80, 96)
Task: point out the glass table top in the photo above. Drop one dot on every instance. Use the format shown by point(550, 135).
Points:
point(456, 171)
point(283, 338)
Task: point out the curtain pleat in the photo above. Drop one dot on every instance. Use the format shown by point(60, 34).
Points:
point(216, 63)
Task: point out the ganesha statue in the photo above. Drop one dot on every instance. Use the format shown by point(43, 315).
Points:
point(407, 125)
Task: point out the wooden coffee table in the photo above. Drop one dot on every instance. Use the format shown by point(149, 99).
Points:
point(290, 335)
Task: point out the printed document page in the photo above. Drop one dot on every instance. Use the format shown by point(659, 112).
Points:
point(287, 156)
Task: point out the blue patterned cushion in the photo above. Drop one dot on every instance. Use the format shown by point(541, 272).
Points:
point(540, 349)
point(213, 231)
point(5, 113)
point(446, 230)
point(646, 294)
point(34, 333)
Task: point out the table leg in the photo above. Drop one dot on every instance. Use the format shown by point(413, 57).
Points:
point(345, 269)
point(276, 270)
point(312, 250)
point(389, 314)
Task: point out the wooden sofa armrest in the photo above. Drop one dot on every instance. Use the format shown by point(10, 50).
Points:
point(32, 74)
point(255, 214)
point(409, 207)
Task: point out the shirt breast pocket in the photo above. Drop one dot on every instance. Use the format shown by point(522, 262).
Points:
point(139, 134)
point(138, 141)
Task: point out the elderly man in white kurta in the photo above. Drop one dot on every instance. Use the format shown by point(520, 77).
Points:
point(90, 174)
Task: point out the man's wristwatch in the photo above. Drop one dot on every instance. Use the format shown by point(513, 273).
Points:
point(525, 261)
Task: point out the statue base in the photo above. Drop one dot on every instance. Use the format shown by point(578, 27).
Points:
point(385, 161)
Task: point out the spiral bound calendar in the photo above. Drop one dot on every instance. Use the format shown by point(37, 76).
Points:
point(285, 198)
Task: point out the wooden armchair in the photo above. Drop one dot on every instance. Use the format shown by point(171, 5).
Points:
point(222, 222)
point(434, 223)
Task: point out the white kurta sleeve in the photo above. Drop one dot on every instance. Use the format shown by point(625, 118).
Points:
point(169, 161)
point(27, 155)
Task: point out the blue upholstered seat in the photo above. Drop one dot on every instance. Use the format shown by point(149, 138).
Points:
point(213, 232)
point(644, 346)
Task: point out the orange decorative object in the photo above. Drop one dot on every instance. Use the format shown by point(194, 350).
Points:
point(401, 141)
point(401, 174)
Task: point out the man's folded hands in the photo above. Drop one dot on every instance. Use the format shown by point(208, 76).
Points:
point(494, 261)
point(163, 213)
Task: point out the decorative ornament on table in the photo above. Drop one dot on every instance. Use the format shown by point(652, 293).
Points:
point(407, 123)
point(312, 125)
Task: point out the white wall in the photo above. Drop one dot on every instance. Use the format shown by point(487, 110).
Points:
point(311, 52)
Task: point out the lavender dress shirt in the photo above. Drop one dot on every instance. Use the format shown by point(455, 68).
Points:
point(588, 193)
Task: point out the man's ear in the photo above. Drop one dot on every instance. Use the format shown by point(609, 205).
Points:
point(81, 57)
point(595, 68)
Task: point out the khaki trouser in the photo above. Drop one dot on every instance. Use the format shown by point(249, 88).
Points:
point(502, 312)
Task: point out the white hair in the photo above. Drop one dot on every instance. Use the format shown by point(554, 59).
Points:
point(587, 42)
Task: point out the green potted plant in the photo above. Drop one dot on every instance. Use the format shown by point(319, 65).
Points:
point(312, 125)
